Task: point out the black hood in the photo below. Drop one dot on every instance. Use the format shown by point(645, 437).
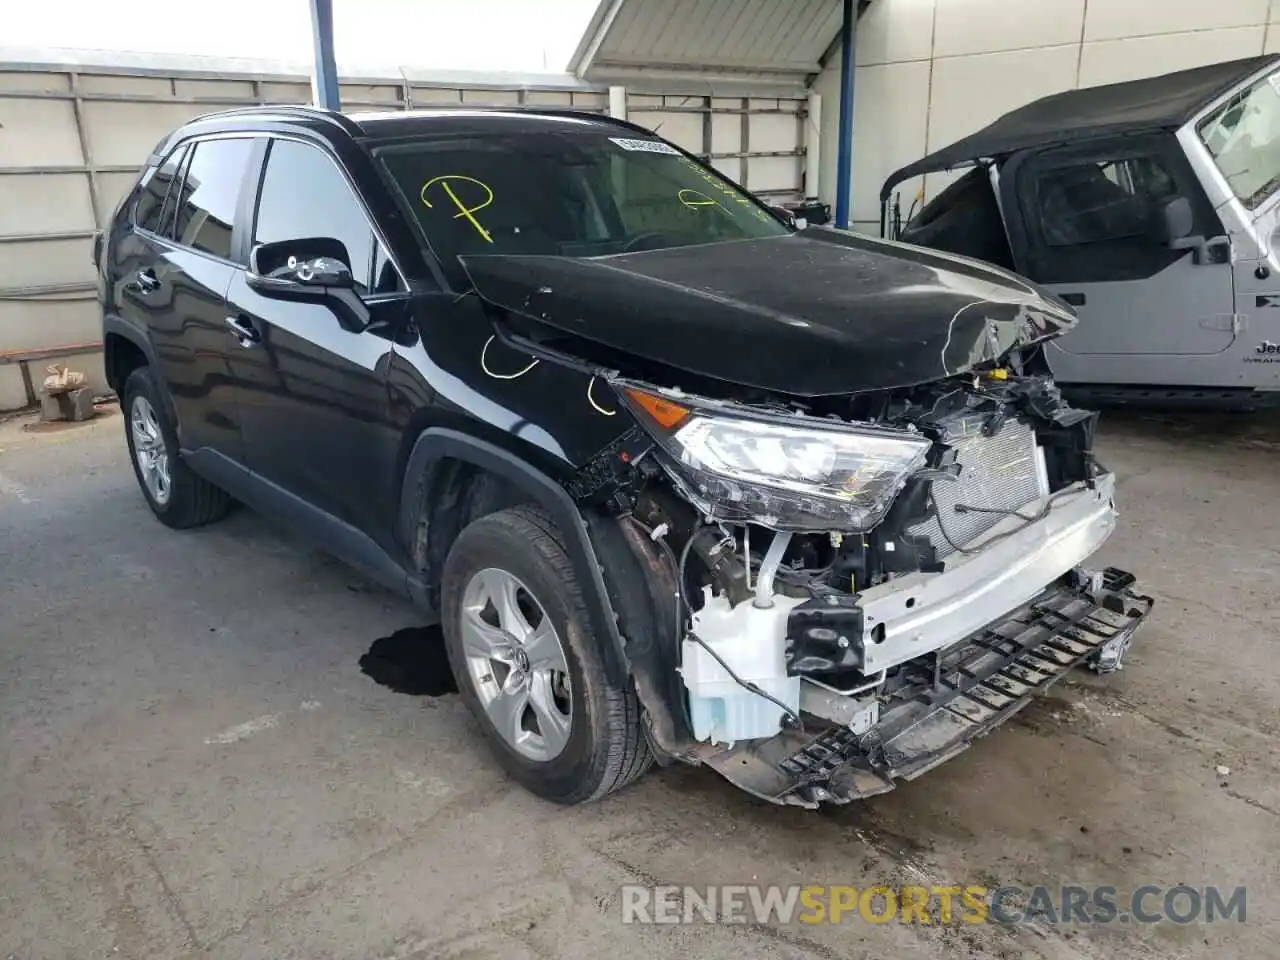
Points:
point(812, 313)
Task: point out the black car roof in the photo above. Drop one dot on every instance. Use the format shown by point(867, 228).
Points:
point(1147, 105)
point(396, 124)
point(410, 123)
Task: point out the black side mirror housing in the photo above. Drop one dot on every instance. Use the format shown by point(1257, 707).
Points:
point(785, 215)
point(314, 269)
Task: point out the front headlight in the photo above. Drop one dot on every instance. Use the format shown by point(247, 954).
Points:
point(784, 472)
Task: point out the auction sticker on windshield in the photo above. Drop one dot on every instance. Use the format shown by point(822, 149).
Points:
point(645, 146)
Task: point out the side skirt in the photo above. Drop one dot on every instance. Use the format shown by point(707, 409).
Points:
point(318, 527)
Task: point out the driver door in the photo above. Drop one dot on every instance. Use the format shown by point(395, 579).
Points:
point(1093, 233)
point(315, 409)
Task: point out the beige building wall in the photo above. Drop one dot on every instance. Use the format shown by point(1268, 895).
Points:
point(932, 71)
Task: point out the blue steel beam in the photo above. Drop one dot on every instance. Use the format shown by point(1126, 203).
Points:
point(844, 148)
point(326, 70)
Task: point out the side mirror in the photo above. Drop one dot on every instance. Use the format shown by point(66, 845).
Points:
point(315, 269)
point(786, 216)
point(300, 269)
point(1177, 226)
point(1177, 220)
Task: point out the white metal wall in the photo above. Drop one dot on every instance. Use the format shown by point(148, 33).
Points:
point(757, 142)
point(932, 71)
point(72, 138)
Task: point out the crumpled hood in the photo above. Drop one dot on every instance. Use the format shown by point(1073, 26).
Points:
point(812, 313)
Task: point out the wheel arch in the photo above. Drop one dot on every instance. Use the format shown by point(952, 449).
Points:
point(450, 479)
point(124, 349)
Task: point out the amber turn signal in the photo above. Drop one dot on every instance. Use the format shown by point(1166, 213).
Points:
point(664, 413)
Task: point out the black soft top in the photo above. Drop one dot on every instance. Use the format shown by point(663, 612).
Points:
point(1154, 103)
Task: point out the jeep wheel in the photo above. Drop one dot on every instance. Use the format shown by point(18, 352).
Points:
point(176, 496)
point(528, 665)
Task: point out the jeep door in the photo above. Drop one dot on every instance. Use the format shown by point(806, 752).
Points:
point(1090, 227)
point(314, 391)
point(1234, 146)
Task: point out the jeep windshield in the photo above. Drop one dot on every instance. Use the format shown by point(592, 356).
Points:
point(568, 192)
point(1243, 136)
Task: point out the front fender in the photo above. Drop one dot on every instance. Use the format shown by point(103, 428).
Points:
point(438, 443)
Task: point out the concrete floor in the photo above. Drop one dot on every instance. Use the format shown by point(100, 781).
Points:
point(192, 764)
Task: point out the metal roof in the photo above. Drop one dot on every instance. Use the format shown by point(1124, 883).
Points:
point(1133, 106)
point(752, 41)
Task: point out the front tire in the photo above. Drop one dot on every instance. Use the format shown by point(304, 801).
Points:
point(529, 666)
point(178, 497)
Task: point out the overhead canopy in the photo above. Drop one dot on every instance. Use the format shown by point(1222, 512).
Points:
point(768, 42)
point(1154, 103)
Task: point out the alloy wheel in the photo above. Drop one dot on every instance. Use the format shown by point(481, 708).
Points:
point(149, 450)
point(517, 664)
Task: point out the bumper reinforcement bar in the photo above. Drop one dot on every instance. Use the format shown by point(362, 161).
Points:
point(950, 699)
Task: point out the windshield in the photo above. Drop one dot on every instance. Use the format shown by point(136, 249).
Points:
point(1243, 135)
point(578, 193)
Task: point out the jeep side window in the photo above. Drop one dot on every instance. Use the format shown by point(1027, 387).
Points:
point(1095, 202)
point(304, 194)
point(1098, 219)
point(210, 191)
point(150, 205)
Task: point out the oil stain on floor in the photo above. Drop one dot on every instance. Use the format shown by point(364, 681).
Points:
point(411, 661)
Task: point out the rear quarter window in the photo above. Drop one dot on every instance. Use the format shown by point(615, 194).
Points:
point(148, 208)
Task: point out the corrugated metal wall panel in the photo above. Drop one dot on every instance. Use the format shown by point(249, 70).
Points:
point(765, 38)
point(722, 41)
point(712, 36)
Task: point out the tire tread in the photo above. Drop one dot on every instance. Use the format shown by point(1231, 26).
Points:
point(625, 753)
point(193, 500)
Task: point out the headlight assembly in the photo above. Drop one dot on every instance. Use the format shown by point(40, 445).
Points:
point(780, 471)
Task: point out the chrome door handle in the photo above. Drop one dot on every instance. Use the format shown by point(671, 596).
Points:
point(246, 333)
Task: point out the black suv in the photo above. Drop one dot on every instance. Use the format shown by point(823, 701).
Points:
point(681, 480)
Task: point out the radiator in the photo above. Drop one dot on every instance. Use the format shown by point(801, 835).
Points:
point(1002, 472)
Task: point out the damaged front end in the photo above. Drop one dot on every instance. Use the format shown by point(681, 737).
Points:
point(847, 592)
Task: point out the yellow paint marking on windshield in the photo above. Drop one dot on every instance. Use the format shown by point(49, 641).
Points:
point(463, 210)
point(718, 184)
point(696, 198)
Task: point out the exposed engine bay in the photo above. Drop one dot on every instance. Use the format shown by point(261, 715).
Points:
point(861, 586)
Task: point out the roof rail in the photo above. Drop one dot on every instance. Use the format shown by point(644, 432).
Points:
point(299, 110)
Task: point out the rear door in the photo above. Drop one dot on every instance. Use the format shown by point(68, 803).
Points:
point(176, 282)
point(315, 403)
point(1091, 219)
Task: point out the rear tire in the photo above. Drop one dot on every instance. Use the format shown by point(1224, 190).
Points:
point(604, 747)
point(178, 497)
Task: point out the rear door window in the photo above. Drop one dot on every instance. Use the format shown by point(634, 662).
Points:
point(206, 211)
point(148, 209)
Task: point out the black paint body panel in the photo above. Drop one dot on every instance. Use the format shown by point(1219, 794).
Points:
point(332, 427)
point(814, 313)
